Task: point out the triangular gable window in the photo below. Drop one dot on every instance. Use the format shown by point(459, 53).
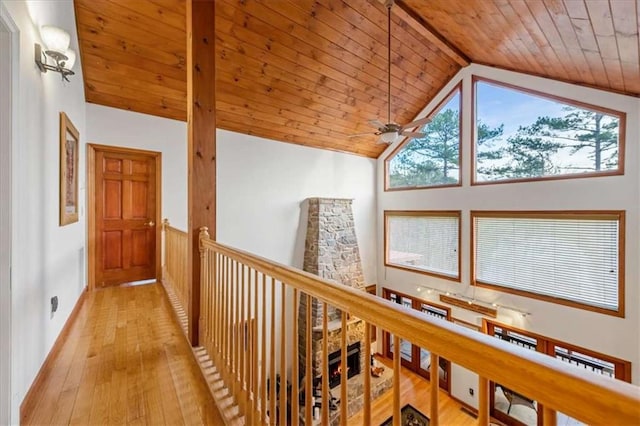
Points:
point(432, 160)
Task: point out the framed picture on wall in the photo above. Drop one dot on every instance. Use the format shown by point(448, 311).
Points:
point(69, 153)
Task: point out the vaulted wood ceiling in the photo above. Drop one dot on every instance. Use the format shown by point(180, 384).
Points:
point(313, 72)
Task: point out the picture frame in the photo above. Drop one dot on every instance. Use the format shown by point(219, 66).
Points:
point(69, 154)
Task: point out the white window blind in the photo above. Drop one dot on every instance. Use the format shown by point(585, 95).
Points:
point(568, 258)
point(426, 243)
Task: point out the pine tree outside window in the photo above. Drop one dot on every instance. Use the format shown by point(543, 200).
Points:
point(433, 160)
point(542, 136)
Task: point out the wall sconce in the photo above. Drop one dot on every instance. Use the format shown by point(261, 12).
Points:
point(56, 41)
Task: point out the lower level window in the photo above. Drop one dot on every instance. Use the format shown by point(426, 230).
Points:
point(572, 258)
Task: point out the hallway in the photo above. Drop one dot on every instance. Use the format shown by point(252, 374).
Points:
point(124, 361)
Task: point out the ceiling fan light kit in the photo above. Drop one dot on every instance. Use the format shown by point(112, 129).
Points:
point(391, 132)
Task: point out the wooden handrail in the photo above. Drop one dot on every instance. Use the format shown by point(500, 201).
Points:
point(559, 386)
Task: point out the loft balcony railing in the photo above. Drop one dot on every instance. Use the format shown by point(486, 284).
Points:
point(249, 329)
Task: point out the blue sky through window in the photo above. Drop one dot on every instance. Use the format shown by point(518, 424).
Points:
point(530, 145)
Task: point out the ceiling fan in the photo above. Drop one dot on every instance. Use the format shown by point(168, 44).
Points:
point(391, 132)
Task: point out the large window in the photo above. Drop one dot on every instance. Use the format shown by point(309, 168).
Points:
point(434, 159)
point(525, 135)
point(572, 258)
point(424, 241)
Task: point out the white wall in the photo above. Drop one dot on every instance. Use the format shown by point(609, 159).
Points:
point(47, 260)
point(116, 127)
point(604, 333)
point(262, 185)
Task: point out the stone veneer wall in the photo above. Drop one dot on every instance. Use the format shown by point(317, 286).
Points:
point(331, 252)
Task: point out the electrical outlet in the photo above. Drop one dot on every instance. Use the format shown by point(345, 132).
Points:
point(54, 304)
point(471, 391)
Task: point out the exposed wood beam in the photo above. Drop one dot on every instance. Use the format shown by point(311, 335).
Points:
point(201, 129)
point(416, 22)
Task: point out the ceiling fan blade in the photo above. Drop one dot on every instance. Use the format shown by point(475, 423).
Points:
point(413, 134)
point(357, 135)
point(416, 123)
point(381, 141)
point(377, 124)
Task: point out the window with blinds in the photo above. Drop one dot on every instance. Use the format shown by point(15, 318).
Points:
point(575, 258)
point(425, 242)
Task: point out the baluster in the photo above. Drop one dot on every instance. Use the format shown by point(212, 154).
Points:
point(249, 366)
point(213, 256)
point(325, 365)
point(223, 278)
point(254, 375)
point(483, 401)
point(254, 349)
point(343, 370)
point(225, 287)
point(217, 310)
point(272, 369)
point(263, 347)
point(434, 375)
point(244, 342)
point(295, 385)
point(228, 322)
point(549, 416)
point(396, 380)
point(367, 374)
point(205, 278)
point(308, 374)
point(237, 336)
point(282, 395)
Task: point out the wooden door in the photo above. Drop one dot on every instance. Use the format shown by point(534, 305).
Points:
point(126, 215)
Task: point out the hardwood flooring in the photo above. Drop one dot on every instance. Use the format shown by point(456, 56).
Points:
point(125, 361)
point(415, 390)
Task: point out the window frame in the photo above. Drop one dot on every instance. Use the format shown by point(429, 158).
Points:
point(547, 345)
point(618, 215)
point(622, 128)
point(423, 213)
point(457, 88)
point(414, 364)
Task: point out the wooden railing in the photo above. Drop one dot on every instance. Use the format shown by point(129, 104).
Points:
point(174, 270)
point(249, 327)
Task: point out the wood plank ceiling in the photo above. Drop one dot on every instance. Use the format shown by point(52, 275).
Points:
point(312, 72)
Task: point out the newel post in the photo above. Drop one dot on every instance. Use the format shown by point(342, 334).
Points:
point(201, 135)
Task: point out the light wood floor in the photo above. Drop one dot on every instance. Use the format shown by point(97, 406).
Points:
point(414, 390)
point(125, 361)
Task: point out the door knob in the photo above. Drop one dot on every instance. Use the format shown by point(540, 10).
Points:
point(150, 223)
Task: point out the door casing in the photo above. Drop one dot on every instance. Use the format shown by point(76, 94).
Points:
point(9, 63)
point(91, 211)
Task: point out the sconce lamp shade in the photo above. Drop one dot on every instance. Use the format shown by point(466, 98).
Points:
point(56, 39)
point(71, 59)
